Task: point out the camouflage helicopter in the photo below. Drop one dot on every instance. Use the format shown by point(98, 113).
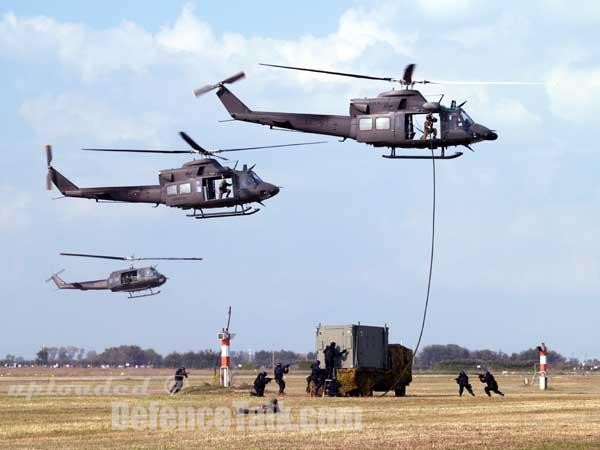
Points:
point(197, 185)
point(389, 120)
point(131, 280)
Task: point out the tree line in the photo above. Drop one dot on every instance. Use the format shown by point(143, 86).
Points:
point(433, 357)
point(135, 356)
point(454, 357)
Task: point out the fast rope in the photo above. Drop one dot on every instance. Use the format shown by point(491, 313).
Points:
point(428, 279)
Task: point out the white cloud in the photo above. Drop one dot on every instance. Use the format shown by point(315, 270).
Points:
point(74, 114)
point(445, 8)
point(575, 93)
point(93, 53)
point(15, 206)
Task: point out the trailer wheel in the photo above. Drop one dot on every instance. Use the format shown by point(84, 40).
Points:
point(400, 391)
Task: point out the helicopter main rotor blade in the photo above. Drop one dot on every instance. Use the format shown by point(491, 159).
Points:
point(507, 83)
point(135, 150)
point(223, 150)
point(197, 147)
point(167, 259)
point(85, 255)
point(130, 258)
point(408, 73)
point(343, 74)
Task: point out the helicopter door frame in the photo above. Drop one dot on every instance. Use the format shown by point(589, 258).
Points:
point(210, 188)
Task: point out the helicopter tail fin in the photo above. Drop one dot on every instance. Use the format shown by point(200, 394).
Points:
point(61, 182)
point(58, 281)
point(233, 104)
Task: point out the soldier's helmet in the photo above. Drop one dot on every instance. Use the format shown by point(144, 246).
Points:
point(278, 364)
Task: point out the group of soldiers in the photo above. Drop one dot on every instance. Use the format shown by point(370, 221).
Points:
point(318, 376)
point(491, 385)
point(261, 381)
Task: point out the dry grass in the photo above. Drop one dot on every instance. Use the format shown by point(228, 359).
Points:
point(432, 416)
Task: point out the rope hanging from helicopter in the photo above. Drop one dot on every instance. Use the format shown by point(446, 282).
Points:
point(426, 306)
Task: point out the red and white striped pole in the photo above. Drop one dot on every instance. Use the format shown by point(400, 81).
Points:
point(225, 339)
point(543, 372)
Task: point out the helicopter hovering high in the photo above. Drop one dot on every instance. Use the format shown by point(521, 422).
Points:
point(199, 184)
point(389, 120)
point(129, 280)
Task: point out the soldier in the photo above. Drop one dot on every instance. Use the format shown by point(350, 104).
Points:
point(331, 354)
point(279, 372)
point(491, 384)
point(224, 188)
point(463, 383)
point(315, 375)
point(179, 374)
point(272, 407)
point(260, 383)
point(429, 128)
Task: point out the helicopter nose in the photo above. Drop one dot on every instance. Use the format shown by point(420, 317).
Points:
point(162, 279)
point(268, 190)
point(483, 132)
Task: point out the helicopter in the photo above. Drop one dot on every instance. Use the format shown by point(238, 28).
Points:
point(389, 120)
point(197, 185)
point(131, 280)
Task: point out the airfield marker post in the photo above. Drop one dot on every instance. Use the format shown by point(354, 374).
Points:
point(543, 367)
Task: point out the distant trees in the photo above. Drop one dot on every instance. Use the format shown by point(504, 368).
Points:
point(455, 357)
point(433, 357)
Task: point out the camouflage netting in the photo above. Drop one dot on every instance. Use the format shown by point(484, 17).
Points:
point(365, 381)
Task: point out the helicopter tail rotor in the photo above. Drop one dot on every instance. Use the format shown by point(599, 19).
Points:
point(209, 87)
point(49, 164)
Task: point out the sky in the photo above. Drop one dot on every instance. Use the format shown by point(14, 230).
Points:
point(347, 238)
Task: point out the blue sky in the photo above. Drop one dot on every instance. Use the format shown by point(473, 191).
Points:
point(347, 239)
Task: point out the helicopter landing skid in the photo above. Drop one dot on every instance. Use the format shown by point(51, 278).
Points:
point(441, 156)
point(131, 296)
point(248, 211)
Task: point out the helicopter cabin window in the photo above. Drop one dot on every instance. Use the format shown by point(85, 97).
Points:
point(129, 277)
point(382, 123)
point(172, 189)
point(185, 188)
point(365, 124)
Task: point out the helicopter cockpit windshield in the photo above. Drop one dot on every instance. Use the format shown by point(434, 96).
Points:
point(456, 119)
point(465, 118)
point(254, 177)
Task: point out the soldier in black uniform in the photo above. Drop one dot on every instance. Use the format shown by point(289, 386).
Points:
point(429, 128)
point(260, 383)
point(463, 383)
point(315, 376)
point(278, 373)
point(491, 384)
point(224, 188)
point(331, 354)
point(179, 375)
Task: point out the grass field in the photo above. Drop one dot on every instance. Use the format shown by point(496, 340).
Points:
point(431, 416)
